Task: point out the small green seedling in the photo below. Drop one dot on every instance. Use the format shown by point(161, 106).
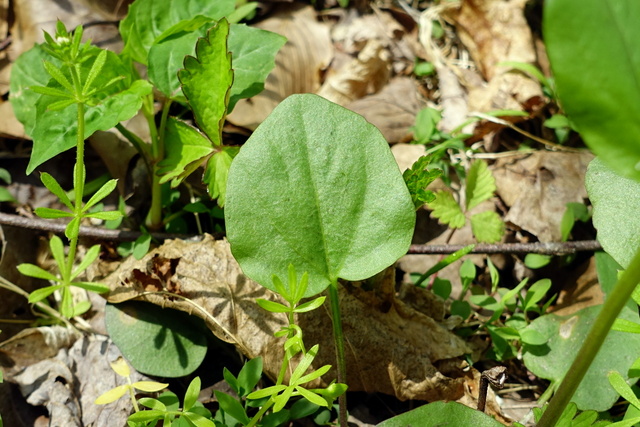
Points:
point(166, 409)
point(121, 368)
point(279, 394)
point(417, 178)
point(479, 186)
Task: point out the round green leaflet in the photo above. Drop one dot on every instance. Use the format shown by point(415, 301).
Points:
point(316, 186)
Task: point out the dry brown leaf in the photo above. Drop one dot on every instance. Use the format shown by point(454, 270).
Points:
point(537, 188)
point(54, 383)
point(33, 345)
point(391, 347)
point(393, 110)
point(364, 75)
point(407, 154)
point(495, 31)
point(580, 290)
point(299, 64)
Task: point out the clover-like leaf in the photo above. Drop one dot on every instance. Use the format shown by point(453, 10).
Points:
point(447, 210)
point(487, 226)
point(480, 184)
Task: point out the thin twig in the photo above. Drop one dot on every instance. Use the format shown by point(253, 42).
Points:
point(542, 248)
point(85, 231)
point(550, 248)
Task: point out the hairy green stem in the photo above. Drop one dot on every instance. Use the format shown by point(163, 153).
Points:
point(338, 337)
point(608, 314)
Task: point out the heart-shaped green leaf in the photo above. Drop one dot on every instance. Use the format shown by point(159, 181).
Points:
point(552, 360)
point(595, 57)
point(616, 203)
point(253, 52)
point(156, 341)
point(441, 414)
point(149, 19)
point(316, 186)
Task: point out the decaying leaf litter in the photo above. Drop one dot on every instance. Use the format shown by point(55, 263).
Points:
point(399, 338)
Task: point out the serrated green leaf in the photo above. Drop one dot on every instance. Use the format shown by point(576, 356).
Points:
point(480, 184)
point(217, 172)
point(253, 52)
point(417, 178)
point(148, 19)
point(206, 80)
point(186, 149)
point(447, 210)
point(487, 226)
point(296, 176)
